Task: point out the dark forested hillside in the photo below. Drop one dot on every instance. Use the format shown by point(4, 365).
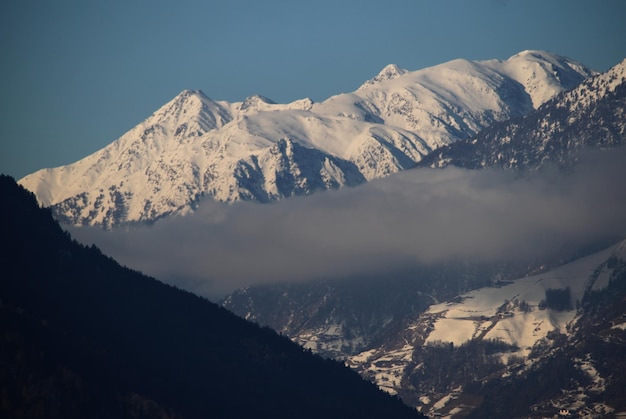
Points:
point(82, 336)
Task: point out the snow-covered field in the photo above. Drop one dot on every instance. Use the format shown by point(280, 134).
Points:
point(495, 313)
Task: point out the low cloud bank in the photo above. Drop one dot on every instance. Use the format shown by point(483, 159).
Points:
point(417, 216)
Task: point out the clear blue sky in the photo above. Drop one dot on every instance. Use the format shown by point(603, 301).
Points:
point(77, 74)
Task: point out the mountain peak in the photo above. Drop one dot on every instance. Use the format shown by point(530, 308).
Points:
point(256, 102)
point(192, 92)
point(186, 99)
point(548, 59)
point(532, 53)
point(190, 110)
point(544, 74)
point(390, 72)
point(189, 96)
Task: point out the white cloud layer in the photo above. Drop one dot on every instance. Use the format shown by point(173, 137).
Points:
point(417, 216)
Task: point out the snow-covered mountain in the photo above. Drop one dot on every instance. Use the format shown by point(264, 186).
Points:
point(592, 115)
point(195, 147)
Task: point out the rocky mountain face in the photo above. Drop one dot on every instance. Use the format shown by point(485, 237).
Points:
point(593, 115)
point(195, 147)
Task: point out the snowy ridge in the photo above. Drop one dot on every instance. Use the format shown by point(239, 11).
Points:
point(194, 147)
point(592, 115)
point(543, 75)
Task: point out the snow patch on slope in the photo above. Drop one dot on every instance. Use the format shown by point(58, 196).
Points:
point(494, 312)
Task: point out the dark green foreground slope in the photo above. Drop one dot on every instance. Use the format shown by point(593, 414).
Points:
point(81, 336)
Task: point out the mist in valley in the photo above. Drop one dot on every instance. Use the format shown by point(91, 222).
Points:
point(420, 216)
